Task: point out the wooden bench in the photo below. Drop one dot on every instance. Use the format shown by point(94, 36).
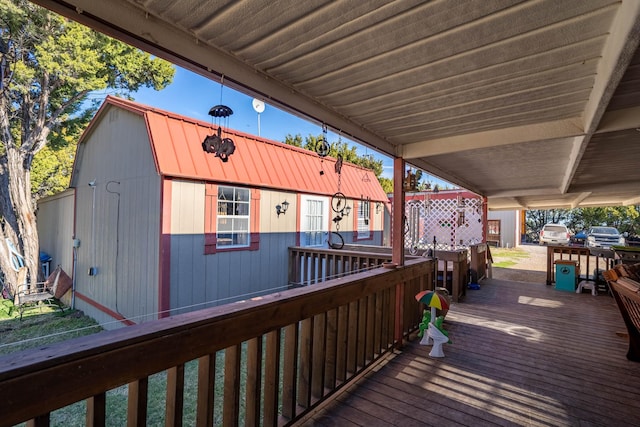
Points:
point(624, 283)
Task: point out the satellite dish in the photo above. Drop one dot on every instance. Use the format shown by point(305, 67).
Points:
point(258, 105)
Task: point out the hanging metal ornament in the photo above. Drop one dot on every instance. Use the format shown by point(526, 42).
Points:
point(338, 166)
point(221, 147)
point(323, 147)
point(216, 144)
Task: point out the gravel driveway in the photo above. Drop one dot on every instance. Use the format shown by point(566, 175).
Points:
point(532, 268)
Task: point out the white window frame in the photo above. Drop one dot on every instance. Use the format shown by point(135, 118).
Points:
point(364, 219)
point(220, 241)
point(314, 222)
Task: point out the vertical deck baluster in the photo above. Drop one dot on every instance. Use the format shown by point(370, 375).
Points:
point(362, 333)
point(331, 349)
point(370, 329)
point(137, 403)
point(352, 339)
point(341, 343)
point(384, 321)
point(175, 396)
point(290, 366)
point(304, 378)
point(206, 387)
point(254, 382)
point(377, 323)
point(318, 356)
point(40, 421)
point(231, 411)
point(271, 378)
point(96, 410)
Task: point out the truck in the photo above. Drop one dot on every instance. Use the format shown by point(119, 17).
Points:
point(604, 237)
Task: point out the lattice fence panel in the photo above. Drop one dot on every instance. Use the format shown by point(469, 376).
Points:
point(453, 223)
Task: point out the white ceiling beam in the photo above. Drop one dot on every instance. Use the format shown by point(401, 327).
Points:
point(525, 192)
point(617, 53)
point(617, 120)
point(579, 199)
point(579, 144)
point(631, 202)
point(493, 138)
point(616, 189)
point(434, 170)
point(131, 24)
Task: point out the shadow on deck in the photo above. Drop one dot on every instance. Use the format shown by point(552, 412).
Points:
point(522, 354)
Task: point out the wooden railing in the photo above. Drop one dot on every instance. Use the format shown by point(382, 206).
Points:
point(309, 265)
point(583, 257)
point(480, 257)
point(283, 354)
point(579, 254)
point(454, 266)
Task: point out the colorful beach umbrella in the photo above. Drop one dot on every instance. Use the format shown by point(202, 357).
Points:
point(433, 299)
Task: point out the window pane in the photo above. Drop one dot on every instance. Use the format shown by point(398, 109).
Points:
point(363, 220)
point(313, 222)
point(233, 216)
point(242, 195)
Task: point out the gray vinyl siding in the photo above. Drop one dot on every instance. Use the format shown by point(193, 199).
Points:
point(199, 280)
point(55, 228)
point(124, 242)
point(508, 223)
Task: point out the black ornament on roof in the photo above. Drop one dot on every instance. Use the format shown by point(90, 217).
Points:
point(220, 111)
point(216, 144)
point(221, 147)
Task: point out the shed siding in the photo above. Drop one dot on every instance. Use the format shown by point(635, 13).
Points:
point(119, 235)
point(55, 229)
point(508, 227)
point(199, 280)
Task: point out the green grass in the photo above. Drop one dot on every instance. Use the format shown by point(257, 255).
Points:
point(504, 264)
point(508, 253)
point(507, 257)
point(47, 325)
point(40, 327)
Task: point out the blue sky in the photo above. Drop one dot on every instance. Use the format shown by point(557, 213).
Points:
point(193, 95)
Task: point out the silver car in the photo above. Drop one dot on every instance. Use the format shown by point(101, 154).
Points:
point(556, 234)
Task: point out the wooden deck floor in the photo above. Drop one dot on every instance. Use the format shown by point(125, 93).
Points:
point(521, 354)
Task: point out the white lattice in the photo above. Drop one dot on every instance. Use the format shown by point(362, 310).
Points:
point(454, 222)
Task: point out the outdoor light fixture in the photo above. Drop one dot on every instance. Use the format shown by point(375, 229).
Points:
point(282, 208)
point(347, 210)
point(378, 207)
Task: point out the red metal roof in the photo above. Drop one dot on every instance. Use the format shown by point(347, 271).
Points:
point(176, 141)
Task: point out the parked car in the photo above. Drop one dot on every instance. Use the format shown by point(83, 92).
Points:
point(557, 234)
point(604, 237)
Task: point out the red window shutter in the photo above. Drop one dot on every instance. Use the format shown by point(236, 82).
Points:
point(210, 218)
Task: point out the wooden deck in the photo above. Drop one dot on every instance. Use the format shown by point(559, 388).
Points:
point(522, 354)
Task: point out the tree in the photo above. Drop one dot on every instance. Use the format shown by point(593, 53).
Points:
point(49, 66)
point(536, 219)
point(348, 153)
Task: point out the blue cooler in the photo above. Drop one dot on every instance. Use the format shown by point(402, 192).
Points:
point(566, 275)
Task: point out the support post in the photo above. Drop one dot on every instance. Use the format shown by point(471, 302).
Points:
point(397, 242)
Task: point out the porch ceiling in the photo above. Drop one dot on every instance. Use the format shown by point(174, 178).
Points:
point(533, 104)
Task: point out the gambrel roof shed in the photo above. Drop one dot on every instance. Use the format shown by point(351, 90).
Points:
point(257, 162)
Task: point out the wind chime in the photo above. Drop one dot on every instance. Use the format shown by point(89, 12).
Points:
point(339, 206)
point(216, 144)
point(322, 148)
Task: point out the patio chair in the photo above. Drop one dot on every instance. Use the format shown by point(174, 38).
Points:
point(38, 293)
